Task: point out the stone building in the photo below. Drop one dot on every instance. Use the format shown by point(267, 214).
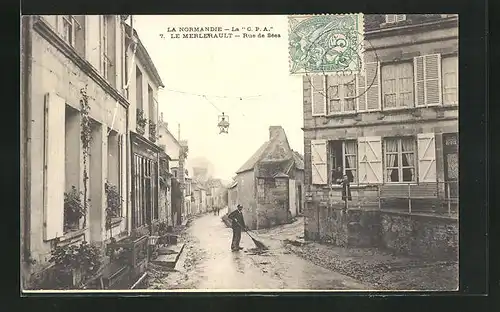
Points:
point(269, 184)
point(177, 152)
point(73, 79)
point(392, 129)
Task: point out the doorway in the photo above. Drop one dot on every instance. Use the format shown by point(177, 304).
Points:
point(451, 170)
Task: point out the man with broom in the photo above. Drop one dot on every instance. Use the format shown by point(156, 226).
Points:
point(238, 225)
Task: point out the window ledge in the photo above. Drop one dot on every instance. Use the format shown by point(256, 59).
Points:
point(116, 221)
point(346, 114)
point(352, 186)
point(71, 236)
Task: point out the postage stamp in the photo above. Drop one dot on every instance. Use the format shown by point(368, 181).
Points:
point(325, 44)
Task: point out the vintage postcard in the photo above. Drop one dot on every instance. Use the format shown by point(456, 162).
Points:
point(239, 153)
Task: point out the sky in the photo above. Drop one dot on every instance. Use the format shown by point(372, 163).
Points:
point(205, 77)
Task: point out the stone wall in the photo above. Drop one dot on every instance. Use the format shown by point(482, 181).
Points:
point(420, 235)
point(272, 202)
point(427, 236)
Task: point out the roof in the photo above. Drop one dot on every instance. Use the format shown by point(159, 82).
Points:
point(299, 160)
point(252, 161)
point(233, 185)
point(272, 169)
point(143, 54)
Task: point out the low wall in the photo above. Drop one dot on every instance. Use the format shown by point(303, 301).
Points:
point(427, 236)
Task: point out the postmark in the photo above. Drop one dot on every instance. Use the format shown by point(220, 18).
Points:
point(325, 44)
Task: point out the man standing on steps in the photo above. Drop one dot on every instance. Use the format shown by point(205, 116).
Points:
point(238, 224)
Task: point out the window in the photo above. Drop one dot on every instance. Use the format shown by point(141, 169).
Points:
point(145, 191)
point(109, 48)
point(114, 160)
point(68, 29)
point(400, 159)
point(72, 30)
point(343, 156)
point(397, 85)
point(341, 94)
point(394, 18)
point(72, 161)
point(450, 79)
point(138, 87)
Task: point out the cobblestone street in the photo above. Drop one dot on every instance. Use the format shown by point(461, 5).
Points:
point(208, 263)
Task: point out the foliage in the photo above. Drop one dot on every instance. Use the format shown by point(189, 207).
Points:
point(86, 138)
point(152, 130)
point(114, 203)
point(74, 209)
point(85, 257)
point(184, 151)
point(141, 120)
point(162, 228)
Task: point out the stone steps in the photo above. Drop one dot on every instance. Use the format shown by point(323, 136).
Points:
point(169, 260)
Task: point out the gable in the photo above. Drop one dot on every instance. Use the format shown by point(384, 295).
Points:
point(250, 163)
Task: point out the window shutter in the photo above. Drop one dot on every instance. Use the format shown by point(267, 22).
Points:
point(370, 160)
point(319, 162)
point(427, 70)
point(390, 18)
point(433, 79)
point(426, 157)
point(361, 94)
point(318, 95)
point(418, 63)
point(372, 86)
point(54, 185)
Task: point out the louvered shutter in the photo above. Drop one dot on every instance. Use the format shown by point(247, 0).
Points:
point(319, 174)
point(361, 94)
point(427, 70)
point(426, 157)
point(373, 86)
point(318, 96)
point(54, 174)
point(433, 79)
point(370, 160)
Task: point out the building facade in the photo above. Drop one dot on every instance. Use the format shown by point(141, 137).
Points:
point(143, 119)
point(269, 182)
point(76, 137)
point(393, 128)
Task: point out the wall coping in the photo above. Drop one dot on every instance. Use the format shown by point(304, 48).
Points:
point(420, 215)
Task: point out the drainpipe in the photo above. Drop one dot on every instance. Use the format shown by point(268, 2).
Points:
point(26, 83)
point(129, 143)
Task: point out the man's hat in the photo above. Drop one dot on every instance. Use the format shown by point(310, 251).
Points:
point(239, 206)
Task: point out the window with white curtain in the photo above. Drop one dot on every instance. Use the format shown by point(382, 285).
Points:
point(397, 85)
point(400, 159)
point(449, 68)
point(341, 94)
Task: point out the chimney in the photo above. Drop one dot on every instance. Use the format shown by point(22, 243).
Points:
point(178, 132)
point(274, 131)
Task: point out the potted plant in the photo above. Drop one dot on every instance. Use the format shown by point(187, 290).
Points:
point(74, 209)
point(75, 263)
point(114, 203)
point(141, 121)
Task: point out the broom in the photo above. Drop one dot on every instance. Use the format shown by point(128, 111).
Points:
point(260, 245)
